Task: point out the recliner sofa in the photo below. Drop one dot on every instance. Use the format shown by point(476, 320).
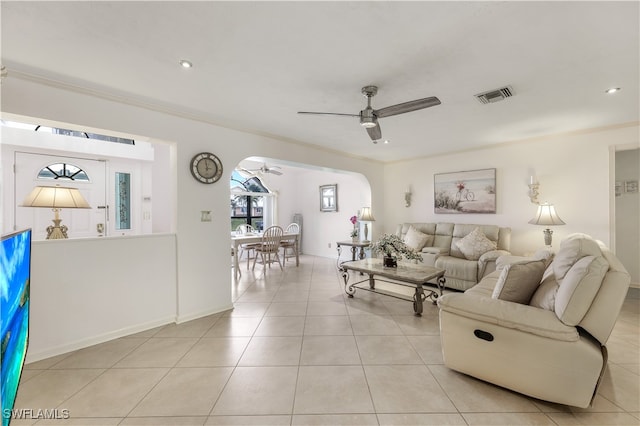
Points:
point(551, 344)
point(442, 250)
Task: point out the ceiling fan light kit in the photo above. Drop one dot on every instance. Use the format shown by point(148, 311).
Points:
point(369, 116)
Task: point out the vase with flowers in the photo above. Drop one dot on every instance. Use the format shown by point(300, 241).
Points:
point(354, 231)
point(393, 249)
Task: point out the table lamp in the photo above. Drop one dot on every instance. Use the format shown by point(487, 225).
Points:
point(366, 216)
point(56, 198)
point(547, 216)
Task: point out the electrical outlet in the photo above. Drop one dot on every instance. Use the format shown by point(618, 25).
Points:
point(329, 245)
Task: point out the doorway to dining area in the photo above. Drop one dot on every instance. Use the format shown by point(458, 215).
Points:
point(269, 191)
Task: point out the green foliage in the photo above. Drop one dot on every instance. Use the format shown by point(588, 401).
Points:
point(392, 245)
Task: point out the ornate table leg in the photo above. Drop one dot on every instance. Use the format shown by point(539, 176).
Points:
point(372, 282)
point(349, 289)
point(418, 297)
point(440, 282)
point(362, 253)
point(339, 248)
point(353, 252)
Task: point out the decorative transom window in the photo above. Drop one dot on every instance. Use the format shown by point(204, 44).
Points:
point(63, 171)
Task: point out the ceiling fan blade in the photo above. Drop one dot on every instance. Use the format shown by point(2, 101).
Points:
point(407, 107)
point(275, 172)
point(328, 113)
point(375, 133)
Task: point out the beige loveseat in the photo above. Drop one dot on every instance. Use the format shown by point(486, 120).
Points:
point(535, 330)
point(442, 251)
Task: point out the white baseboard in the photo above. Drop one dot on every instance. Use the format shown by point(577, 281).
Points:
point(84, 343)
point(192, 316)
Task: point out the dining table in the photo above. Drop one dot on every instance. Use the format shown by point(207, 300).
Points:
point(238, 240)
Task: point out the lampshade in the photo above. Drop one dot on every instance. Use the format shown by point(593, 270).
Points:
point(546, 215)
point(56, 197)
point(365, 215)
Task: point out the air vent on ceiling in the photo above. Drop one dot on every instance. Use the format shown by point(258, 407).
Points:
point(495, 95)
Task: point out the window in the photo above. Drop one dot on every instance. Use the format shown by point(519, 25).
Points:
point(247, 205)
point(67, 132)
point(63, 171)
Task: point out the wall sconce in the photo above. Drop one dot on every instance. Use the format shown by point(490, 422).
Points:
point(534, 185)
point(407, 197)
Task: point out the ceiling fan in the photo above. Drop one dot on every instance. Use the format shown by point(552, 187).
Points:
point(369, 116)
point(264, 169)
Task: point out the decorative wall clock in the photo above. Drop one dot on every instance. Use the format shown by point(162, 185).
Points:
point(206, 167)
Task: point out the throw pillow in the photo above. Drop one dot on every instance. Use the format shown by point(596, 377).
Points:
point(415, 239)
point(475, 244)
point(519, 281)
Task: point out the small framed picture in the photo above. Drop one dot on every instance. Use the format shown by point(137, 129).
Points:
point(329, 198)
point(619, 188)
point(631, 186)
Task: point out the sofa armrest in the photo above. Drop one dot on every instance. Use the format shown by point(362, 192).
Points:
point(525, 318)
point(487, 262)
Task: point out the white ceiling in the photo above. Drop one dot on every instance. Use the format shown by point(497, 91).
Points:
point(257, 63)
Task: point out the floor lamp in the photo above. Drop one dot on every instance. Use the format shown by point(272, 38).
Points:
point(56, 198)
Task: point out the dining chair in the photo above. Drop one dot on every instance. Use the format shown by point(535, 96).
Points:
point(289, 244)
point(270, 246)
point(244, 229)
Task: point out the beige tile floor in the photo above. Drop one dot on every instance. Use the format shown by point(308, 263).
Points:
point(296, 351)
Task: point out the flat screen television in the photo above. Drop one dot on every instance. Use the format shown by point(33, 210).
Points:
point(15, 271)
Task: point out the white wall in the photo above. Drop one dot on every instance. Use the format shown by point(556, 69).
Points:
point(628, 214)
point(573, 171)
point(86, 291)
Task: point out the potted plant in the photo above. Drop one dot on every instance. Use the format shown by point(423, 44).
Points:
point(354, 231)
point(393, 248)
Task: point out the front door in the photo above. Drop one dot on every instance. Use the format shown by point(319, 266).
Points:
point(81, 222)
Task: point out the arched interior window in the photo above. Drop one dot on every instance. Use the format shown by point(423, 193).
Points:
point(247, 203)
point(63, 171)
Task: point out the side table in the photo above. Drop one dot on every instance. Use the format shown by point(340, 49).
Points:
point(354, 244)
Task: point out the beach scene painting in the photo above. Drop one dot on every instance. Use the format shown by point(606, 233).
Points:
point(472, 191)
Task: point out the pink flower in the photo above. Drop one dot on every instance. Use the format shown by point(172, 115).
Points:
point(353, 219)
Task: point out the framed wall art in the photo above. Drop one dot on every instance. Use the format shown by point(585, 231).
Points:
point(329, 198)
point(472, 191)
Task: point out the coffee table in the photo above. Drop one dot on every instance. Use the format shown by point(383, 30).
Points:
point(405, 274)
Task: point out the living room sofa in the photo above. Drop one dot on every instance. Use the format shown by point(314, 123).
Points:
point(441, 249)
point(536, 329)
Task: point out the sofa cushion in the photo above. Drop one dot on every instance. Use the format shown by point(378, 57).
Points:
point(457, 268)
point(475, 244)
point(517, 282)
point(573, 248)
point(578, 288)
point(416, 239)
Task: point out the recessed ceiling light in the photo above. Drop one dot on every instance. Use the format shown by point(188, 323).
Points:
point(386, 141)
point(612, 90)
point(185, 64)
